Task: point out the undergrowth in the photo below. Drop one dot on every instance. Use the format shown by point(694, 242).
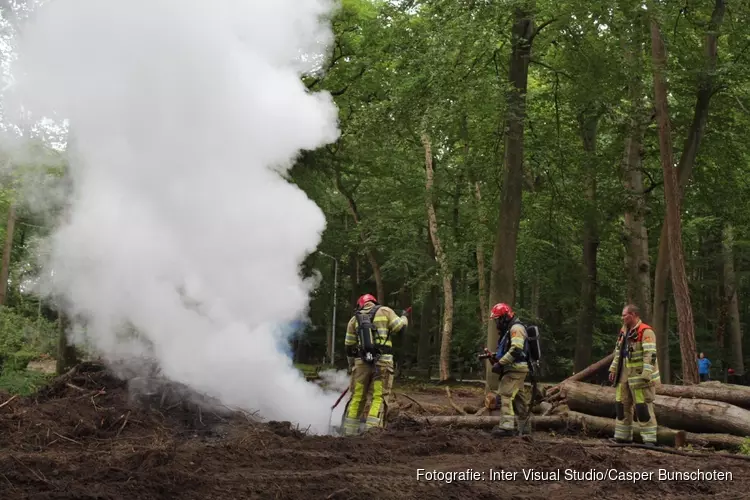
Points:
point(23, 383)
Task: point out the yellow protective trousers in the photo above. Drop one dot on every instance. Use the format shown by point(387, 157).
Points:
point(376, 381)
point(514, 401)
point(634, 398)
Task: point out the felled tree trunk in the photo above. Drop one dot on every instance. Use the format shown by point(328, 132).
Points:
point(596, 426)
point(583, 374)
point(732, 394)
point(697, 415)
point(488, 422)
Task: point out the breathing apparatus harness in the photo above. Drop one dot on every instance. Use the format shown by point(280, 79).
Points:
point(368, 349)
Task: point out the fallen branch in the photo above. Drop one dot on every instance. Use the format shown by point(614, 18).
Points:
point(123, 425)
point(38, 475)
point(414, 401)
point(453, 404)
point(8, 402)
point(582, 375)
point(67, 438)
point(335, 493)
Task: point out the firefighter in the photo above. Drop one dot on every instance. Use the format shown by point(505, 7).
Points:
point(511, 363)
point(370, 375)
point(635, 370)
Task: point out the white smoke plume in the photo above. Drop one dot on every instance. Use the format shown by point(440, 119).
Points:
point(183, 241)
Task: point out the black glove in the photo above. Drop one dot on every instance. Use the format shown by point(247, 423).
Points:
point(498, 368)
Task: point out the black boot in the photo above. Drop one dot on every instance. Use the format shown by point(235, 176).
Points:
point(621, 441)
point(499, 432)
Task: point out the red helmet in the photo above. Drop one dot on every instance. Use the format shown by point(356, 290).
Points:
point(365, 299)
point(501, 310)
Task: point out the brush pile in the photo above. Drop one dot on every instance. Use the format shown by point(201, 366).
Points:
point(90, 403)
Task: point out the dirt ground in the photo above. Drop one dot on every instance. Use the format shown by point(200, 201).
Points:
point(84, 438)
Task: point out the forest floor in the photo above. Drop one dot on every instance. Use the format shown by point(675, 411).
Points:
point(84, 437)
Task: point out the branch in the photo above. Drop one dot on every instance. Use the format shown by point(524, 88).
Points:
point(334, 60)
point(339, 92)
point(556, 71)
point(540, 28)
point(473, 65)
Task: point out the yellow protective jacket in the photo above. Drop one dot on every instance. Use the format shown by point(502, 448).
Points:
point(639, 349)
point(385, 321)
point(507, 359)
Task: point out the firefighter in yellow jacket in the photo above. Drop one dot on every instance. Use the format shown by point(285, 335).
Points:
point(511, 363)
point(635, 369)
point(369, 351)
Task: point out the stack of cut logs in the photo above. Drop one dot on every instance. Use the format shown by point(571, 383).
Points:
point(710, 414)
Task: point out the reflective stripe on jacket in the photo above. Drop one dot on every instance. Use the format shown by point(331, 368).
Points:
point(640, 356)
point(385, 320)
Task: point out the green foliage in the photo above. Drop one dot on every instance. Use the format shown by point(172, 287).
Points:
point(745, 447)
point(398, 70)
point(16, 361)
point(441, 67)
point(23, 383)
point(21, 333)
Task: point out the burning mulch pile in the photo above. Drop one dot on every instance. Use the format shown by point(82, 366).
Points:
point(85, 437)
point(89, 404)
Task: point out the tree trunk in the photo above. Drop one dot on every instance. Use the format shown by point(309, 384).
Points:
point(685, 322)
point(502, 278)
point(588, 121)
point(7, 250)
point(733, 310)
point(423, 348)
point(661, 309)
point(536, 291)
point(736, 395)
point(591, 425)
point(475, 186)
point(354, 278)
point(685, 169)
point(66, 352)
point(428, 318)
point(481, 268)
point(445, 271)
point(584, 374)
point(696, 415)
point(636, 236)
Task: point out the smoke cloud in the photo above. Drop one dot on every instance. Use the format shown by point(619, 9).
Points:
point(183, 240)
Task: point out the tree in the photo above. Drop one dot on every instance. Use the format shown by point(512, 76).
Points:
point(672, 200)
